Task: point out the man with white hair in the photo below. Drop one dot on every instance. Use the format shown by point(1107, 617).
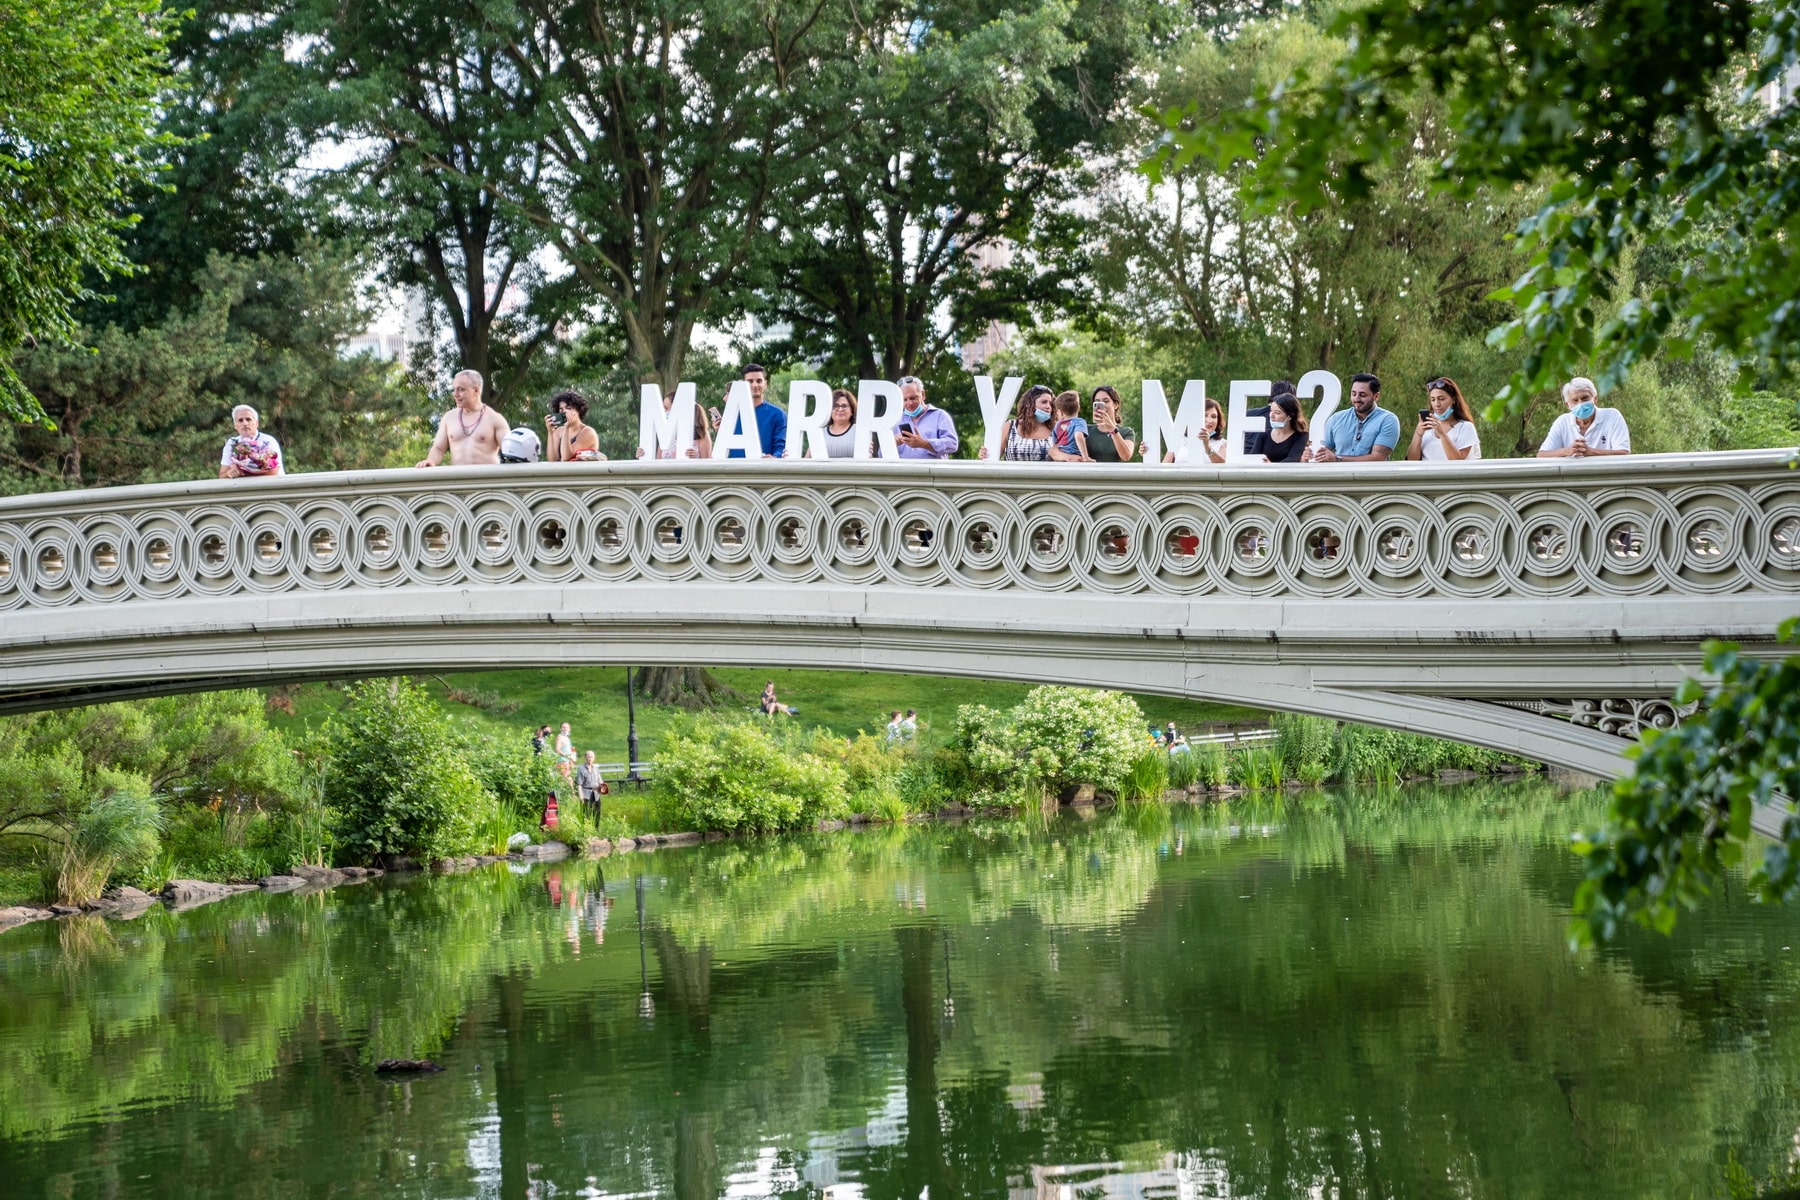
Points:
point(1586, 430)
point(471, 431)
point(249, 453)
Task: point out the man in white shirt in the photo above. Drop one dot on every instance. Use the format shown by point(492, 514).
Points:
point(1586, 430)
point(248, 453)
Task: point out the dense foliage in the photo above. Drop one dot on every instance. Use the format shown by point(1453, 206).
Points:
point(402, 784)
point(79, 82)
point(1055, 739)
point(1682, 819)
point(1647, 122)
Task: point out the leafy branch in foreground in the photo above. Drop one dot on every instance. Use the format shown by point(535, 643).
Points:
point(1683, 817)
point(1649, 123)
point(79, 81)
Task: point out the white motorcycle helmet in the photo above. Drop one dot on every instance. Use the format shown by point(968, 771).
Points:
point(520, 445)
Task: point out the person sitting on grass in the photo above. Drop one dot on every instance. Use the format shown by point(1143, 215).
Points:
point(771, 705)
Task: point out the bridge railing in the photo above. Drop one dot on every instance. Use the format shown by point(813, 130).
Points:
point(1685, 525)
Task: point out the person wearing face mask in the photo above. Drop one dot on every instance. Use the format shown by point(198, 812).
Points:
point(1446, 428)
point(1586, 430)
point(924, 430)
point(1029, 435)
point(1286, 438)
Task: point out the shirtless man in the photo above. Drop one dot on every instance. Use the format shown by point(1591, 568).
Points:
point(471, 431)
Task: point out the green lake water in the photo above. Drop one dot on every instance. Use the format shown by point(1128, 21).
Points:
point(1363, 995)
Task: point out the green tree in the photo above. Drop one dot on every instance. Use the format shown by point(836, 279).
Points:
point(949, 186)
point(79, 83)
point(1653, 123)
point(153, 403)
point(1390, 280)
point(423, 90)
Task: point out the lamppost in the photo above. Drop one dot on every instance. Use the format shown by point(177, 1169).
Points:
point(631, 753)
point(646, 1003)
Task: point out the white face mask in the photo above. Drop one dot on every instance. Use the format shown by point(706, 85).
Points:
point(1278, 422)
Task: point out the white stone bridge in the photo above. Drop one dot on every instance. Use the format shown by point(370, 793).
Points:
point(1546, 608)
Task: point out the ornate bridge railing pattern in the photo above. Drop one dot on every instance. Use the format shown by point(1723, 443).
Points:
point(1677, 525)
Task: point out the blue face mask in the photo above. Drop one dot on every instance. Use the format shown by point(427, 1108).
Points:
point(1585, 410)
point(1043, 416)
point(1278, 422)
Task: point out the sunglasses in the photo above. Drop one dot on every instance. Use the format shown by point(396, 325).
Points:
point(1439, 385)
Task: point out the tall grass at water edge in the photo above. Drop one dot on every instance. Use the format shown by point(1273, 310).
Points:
point(1314, 750)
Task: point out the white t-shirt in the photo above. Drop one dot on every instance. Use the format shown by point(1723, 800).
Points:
point(1462, 436)
point(1608, 432)
point(259, 455)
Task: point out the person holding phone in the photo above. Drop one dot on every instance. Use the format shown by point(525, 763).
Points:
point(925, 431)
point(1446, 429)
point(571, 439)
point(1109, 441)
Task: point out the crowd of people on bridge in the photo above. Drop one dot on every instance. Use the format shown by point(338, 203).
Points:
point(1046, 426)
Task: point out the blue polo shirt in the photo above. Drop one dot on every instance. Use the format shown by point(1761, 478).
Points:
point(1347, 437)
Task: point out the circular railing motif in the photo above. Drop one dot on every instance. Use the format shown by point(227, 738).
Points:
point(1696, 536)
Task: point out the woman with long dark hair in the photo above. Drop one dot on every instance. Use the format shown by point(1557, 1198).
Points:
point(1446, 428)
point(1287, 435)
point(1029, 436)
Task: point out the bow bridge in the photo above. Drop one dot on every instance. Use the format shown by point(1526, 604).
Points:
point(1542, 608)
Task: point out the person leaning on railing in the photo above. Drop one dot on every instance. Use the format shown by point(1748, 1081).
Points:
point(1586, 430)
point(1286, 438)
point(248, 452)
point(1364, 432)
point(924, 430)
point(1028, 436)
point(1446, 428)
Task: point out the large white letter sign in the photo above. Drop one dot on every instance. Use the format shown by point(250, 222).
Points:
point(809, 408)
point(996, 409)
point(882, 423)
point(1188, 422)
point(1330, 389)
point(672, 430)
point(737, 429)
point(1238, 422)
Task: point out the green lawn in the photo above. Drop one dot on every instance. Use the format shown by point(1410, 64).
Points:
point(592, 701)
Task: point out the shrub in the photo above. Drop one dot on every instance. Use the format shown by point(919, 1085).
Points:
point(398, 779)
point(1055, 738)
point(717, 773)
point(1211, 768)
point(515, 777)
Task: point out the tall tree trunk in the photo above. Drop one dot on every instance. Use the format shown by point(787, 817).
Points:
point(689, 687)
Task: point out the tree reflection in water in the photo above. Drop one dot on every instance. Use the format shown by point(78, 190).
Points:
point(1365, 996)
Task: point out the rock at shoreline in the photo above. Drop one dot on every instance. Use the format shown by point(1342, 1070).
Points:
point(545, 852)
point(280, 883)
point(190, 893)
point(624, 845)
point(833, 826)
point(65, 910)
point(407, 1066)
point(22, 914)
point(597, 848)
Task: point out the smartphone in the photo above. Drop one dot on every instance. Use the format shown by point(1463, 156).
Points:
point(718, 418)
point(1424, 414)
point(905, 427)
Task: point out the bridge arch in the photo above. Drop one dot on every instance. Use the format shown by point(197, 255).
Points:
point(1546, 609)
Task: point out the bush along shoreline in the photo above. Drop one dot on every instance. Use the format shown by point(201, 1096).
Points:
point(188, 800)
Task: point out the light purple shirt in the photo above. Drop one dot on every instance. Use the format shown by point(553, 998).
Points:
point(936, 427)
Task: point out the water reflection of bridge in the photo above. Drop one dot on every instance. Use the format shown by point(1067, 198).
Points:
point(1541, 608)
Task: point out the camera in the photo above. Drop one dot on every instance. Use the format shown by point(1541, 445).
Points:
point(559, 417)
